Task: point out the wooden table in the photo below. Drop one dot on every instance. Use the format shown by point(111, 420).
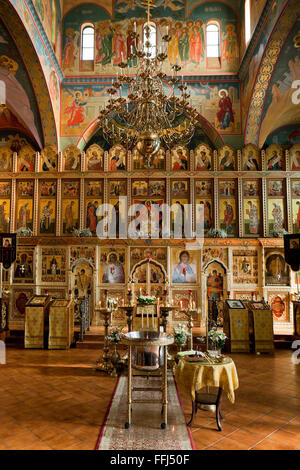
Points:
point(193, 376)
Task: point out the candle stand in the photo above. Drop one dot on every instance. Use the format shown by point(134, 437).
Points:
point(103, 364)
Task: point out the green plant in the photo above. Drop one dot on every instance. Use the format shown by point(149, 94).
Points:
point(217, 338)
point(180, 334)
point(146, 299)
point(217, 233)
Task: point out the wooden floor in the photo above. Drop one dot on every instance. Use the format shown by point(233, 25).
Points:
point(55, 400)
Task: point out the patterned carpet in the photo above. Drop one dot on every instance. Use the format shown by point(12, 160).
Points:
point(145, 432)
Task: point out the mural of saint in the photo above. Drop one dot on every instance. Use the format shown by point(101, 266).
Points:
point(196, 45)
point(230, 45)
point(173, 50)
point(26, 162)
point(184, 45)
point(6, 157)
point(119, 45)
point(75, 110)
point(252, 213)
point(69, 49)
point(225, 114)
point(114, 273)
point(214, 285)
point(184, 271)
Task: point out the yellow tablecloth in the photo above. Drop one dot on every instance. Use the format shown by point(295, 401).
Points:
point(194, 376)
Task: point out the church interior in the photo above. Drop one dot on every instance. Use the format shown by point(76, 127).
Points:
point(149, 183)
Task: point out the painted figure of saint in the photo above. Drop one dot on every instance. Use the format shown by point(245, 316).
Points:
point(275, 162)
point(230, 45)
point(225, 114)
point(69, 50)
point(23, 269)
point(107, 46)
point(296, 161)
point(203, 161)
point(91, 217)
point(83, 283)
point(24, 215)
point(131, 47)
point(75, 110)
point(227, 162)
point(173, 50)
point(4, 222)
point(45, 222)
point(119, 46)
point(26, 163)
point(250, 162)
point(184, 272)
point(253, 217)
point(196, 45)
point(228, 217)
point(184, 46)
point(277, 217)
point(214, 285)
point(114, 273)
point(69, 217)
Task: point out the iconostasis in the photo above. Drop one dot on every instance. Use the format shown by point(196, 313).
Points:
point(54, 197)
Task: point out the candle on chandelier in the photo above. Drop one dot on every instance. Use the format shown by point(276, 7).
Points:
point(134, 27)
point(167, 30)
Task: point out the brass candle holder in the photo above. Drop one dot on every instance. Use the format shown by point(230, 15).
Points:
point(189, 314)
point(103, 364)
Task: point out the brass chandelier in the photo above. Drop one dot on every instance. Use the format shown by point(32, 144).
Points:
point(148, 117)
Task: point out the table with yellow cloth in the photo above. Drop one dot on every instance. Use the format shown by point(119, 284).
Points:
point(193, 376)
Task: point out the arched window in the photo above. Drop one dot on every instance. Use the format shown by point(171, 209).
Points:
point(212, 40)
point(152, 39)
point(87, 41)
point(53, 24)
point(247, 21)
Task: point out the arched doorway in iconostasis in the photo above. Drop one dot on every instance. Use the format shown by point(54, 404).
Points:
point(215, 287)
point(148, 277)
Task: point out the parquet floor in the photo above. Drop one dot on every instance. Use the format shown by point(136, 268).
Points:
point(55, 400)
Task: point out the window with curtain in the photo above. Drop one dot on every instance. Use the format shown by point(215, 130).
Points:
point(87, 42)
point(212, 40)
point(152, 39)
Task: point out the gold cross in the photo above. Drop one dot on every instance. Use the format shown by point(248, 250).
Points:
point(149, 4)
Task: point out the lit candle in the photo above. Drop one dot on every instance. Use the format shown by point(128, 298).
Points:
point(167, 30)
point(134, 27)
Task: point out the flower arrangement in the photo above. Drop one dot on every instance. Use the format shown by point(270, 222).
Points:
point(180, 334)
point(217, 233)
point(115, 335)
point(82, 233)
point(146, 299)
point(217, 338)
point(278, 233)
point(24, 232)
